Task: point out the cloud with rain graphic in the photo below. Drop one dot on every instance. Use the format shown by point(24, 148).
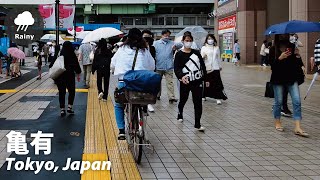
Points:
point(24, 20)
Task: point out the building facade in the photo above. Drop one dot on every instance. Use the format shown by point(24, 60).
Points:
point(155, 15)
point(252, 17)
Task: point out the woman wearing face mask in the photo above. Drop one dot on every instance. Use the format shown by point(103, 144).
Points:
point(148, 37)
point(210, 52)
point(191, 71)
point(285, 62)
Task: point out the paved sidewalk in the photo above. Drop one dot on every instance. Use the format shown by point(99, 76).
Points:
point(240, 141)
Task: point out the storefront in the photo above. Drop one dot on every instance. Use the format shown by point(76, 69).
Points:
point(226, 32)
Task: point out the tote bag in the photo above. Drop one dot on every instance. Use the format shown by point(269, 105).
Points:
point(57, 69)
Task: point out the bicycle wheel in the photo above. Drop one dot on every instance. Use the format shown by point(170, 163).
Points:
point(137, 139)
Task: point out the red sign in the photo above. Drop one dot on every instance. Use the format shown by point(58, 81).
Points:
point(227, 23)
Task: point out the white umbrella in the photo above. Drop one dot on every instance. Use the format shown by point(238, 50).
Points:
point(51, 37)
point(315, 76)
point(100, 33)
point(199, 35)
point(82, 35)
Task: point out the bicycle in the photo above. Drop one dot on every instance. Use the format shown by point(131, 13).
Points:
point(135, 120)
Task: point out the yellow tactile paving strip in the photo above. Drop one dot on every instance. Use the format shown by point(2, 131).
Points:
point(55, 90)
point(101, 138)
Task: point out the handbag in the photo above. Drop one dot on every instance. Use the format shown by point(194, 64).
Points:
point(269, 90)
point(119, 96)
point(91, 56)
point(57, 69)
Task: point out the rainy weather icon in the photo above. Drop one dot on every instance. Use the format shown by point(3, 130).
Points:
point(24, 20)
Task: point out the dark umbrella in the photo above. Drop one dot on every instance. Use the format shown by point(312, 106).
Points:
point(294, 26)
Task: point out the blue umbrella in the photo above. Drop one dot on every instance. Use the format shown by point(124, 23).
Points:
point(294, 26)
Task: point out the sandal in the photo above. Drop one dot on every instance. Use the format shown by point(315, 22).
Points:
point(70, 111)
point(63, 112)
point(281, 129)
point(301, 133)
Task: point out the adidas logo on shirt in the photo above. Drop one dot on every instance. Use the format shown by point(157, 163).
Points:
point(193, 68)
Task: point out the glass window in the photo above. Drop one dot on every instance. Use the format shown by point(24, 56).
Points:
point(172, 21)
point(202, 21)
point(189, 21)
point(141, 21)
point(127, 21)
point(158, 21)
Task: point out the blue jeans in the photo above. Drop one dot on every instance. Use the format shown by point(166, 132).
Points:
point(278, 100)
point(119, 111)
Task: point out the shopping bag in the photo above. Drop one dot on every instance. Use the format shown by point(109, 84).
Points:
point(57, 69)
point(234, 60)
point(269, 90)
point(91, 56)
point(35, 64)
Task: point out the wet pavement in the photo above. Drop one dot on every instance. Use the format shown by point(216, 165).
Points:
point(240, 141)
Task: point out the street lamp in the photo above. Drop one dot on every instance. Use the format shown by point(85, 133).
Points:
point(74, 20)
point(57, 21)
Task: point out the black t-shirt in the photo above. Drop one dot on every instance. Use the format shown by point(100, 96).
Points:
point(190, 63)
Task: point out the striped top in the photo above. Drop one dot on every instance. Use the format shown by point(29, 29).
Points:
point(317, 52)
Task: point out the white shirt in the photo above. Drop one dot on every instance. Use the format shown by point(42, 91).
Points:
point(52, 50)
point(211, 57)
point(263, 50)
point(122, 61)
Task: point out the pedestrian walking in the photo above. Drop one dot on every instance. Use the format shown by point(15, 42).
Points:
point(101, 64)
point(15, 71)
point(148, 37)
point(84, 56)
point(52, 52)
point(263, 53)
point(35, 49)
point(164, 62)
point(190, 69)
point(285, 111)
point(39, 66)
point(122, 62)
point(67, 79)
point(285, 74)
point(236, 51)
point(267, 50)
point(316, 57)
point(45, 50)
point(210, 53)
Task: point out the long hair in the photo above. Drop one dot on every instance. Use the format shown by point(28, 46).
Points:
point(214, 39)
point(102, 46)
point(68, 51)
point(135, 40)
point(281, 40)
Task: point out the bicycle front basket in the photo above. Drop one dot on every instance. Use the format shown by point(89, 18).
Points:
point(141, 98)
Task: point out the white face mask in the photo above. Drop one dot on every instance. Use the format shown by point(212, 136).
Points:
point(210, 41)
point(187, 44)
point(293, 39)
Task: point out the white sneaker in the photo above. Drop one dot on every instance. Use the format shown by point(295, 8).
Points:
point(180, 120)
point(200, 129)
point(264, 65)
point(150, 108)
point(100, 96)
point(204, 99)
point(219, 102)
